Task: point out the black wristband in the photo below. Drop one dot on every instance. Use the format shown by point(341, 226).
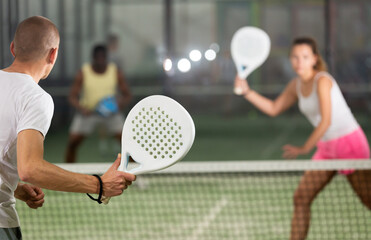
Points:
point(100, 190)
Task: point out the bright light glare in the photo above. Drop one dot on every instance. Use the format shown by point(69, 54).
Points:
point(215, 47)
point(168, 64)
point(210, 55)
point(195, 55)
point(184, 65)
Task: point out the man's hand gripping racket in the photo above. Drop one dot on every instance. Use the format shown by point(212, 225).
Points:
point(250, 47)
point(158, 132)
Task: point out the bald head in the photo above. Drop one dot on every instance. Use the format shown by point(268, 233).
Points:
point(34, 38)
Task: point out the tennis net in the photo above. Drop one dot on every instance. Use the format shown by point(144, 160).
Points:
point(209, 200)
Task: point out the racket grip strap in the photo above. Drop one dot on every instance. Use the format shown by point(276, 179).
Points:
point(99, 199)
point(105, 200)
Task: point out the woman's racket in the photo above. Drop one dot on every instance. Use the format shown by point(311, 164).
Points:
point(250, 47)
point(157, 133)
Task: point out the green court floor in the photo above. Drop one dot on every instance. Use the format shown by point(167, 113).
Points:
point(235, 206)
point(244, 137)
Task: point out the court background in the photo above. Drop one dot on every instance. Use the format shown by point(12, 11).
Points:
point(227, 127)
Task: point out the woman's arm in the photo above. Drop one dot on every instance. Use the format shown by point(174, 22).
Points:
point(324, 96)
point(270, 107)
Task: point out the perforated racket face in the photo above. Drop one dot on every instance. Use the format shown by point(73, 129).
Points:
point(157, 133)
point(250, 47)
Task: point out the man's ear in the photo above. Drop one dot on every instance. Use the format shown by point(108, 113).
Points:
point(12, 48)
point(53, 54)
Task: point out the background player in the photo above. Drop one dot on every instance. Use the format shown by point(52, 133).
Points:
point(93, 84)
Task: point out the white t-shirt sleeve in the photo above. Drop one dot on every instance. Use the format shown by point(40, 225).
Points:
point(36, 113)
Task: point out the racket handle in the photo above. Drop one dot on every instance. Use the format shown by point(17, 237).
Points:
point(122, 168)
point(105, 200)
point(238, 91)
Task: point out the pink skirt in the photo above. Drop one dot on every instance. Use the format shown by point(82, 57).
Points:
point(350, 147)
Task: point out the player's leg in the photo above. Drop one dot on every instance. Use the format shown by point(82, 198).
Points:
point(81, 126)
point(103, 141)
point(355, 146)
point(311, 183)
point(114, 125)
point(74, 141)
point(117, 136)
point(360, 181)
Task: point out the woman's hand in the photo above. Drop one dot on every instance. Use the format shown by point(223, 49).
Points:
point(241, 85)
point(291, 152)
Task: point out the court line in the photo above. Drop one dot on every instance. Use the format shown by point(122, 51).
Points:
point(208, 219)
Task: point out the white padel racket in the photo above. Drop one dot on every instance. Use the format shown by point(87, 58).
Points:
point(250, 47)
point(158, 132)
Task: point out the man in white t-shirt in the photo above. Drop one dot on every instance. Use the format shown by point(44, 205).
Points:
point(26, 111)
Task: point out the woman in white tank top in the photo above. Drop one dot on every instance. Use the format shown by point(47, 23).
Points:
point(336, 132)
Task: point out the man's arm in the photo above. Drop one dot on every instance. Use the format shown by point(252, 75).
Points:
point(33, 196)
point(125, 96)
point(34, 169)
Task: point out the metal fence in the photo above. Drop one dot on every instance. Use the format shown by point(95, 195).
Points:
point(150, 31)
